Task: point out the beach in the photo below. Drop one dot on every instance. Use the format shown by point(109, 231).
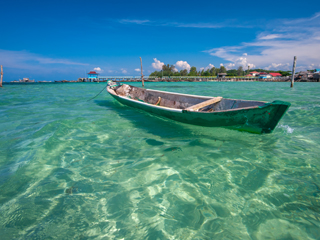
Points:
point(77, 169)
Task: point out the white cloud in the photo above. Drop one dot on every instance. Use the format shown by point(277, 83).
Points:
point(313, 66)
point(230, 66)
point(157, 64)
point(183, 65)
point(201, 68)
point(19, 64)
point(270, 36)
point(221, 64)
point(165, 23)
point(198, 25)
point(251, 65)
point(98, 69)
point(303, 20)
point(123, 70)
point(136, 21)
point(209, 66)
point(137, 69)
point(27, 60)
point(276, 49)
point(277, 66)
point(242, 61)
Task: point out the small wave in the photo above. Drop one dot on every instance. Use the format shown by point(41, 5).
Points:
point(287, 128)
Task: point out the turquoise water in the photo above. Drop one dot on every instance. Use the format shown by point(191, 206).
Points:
point(73, 169)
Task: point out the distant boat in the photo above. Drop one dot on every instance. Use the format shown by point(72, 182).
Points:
point(243, 115)
point(26, 80)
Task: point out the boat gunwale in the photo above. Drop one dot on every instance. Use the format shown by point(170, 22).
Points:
point(144, 103)
point(183, 110)
point(191, 95)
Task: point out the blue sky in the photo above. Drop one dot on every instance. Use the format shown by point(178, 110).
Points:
point(54, 40)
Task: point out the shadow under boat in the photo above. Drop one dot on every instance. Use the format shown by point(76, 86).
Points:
point(168, 129)
point(154, 124)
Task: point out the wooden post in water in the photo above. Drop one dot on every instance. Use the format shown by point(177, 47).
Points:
point(293, 70)
point(1, 76)
point(142, 73)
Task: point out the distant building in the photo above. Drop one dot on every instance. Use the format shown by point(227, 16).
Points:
point(264, 75)
point(221, 75)
point(92, 75)
point(317, 71)
point(254, 73)
point(305, 75)
point(275, 75)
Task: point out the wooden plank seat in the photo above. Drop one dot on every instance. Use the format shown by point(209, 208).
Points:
point(204, 104)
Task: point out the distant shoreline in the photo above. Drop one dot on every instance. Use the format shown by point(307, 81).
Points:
point(168, 80)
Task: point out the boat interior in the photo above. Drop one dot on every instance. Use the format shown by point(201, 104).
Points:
point(182, 101)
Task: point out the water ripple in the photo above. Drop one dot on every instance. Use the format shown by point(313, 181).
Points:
point(72, 169)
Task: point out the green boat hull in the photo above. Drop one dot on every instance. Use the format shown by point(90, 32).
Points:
point(258, 119)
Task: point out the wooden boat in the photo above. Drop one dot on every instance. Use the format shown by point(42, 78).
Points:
point(243, 115)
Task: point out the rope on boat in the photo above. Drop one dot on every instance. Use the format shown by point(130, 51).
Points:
point(98, 93)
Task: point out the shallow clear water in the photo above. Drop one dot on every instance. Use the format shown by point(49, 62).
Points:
point(73, 169)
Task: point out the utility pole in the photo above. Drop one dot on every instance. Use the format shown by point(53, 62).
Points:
point(293, 70)
point(142, 73)
point(1, 76)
